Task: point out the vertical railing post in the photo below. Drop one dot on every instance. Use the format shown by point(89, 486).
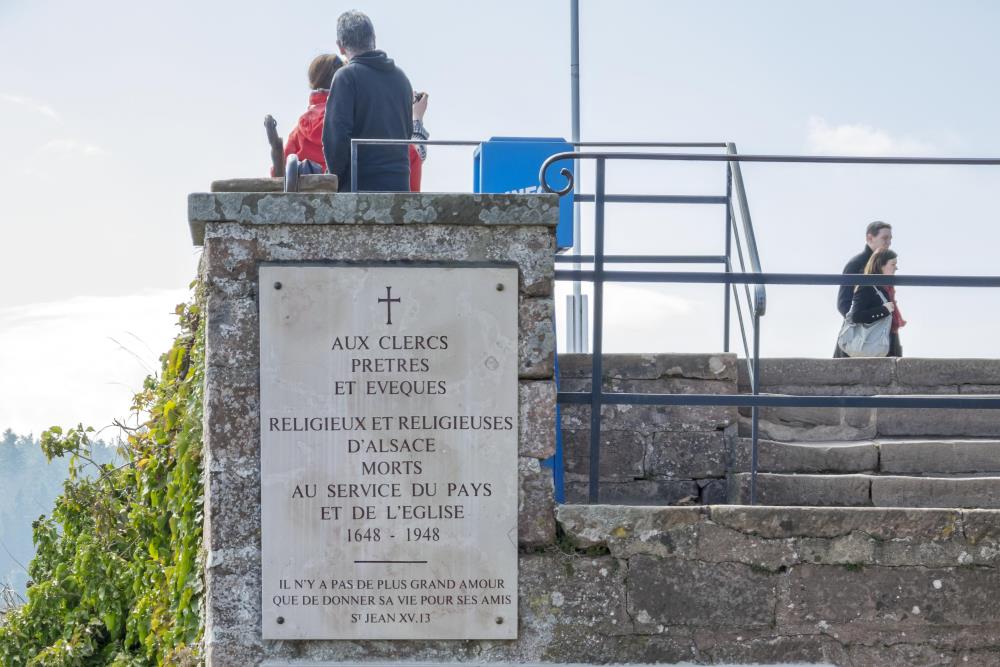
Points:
point(726, 288)
point(754, 411)
point(596, 370)
point(354, 166)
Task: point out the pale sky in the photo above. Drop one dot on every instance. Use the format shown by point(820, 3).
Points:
point(112, 112)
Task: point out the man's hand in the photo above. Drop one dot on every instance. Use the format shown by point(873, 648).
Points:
point(890, 307)
point(419, 106)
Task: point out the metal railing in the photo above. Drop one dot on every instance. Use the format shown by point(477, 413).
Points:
point(748, 277)
point(355, 143)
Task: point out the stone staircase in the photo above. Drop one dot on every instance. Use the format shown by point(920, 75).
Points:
point(889, 457)
point(846, 457)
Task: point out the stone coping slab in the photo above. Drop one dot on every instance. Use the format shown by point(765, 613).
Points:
point(590, 525)
point(307, 183)
point(917, 373)
point(300, 208)
point(643, 366)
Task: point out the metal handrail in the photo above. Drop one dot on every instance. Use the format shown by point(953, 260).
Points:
point(760, 295)
point(756, 305)
point(596, 397)
point(468, 142)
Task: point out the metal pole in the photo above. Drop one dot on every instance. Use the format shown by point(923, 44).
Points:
point(354, 166)
point(729, 250)
point(596, 368)
point(755, 411)
point(578, 318)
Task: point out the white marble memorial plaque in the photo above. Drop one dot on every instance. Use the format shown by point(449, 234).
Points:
point(388, 414)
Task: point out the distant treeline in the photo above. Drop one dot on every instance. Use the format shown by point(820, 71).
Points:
point(28, 486)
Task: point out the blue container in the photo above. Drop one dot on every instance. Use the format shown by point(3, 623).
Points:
point(510, 165)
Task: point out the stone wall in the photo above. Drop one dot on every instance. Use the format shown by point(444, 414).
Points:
point(853, 588)
point(884, 587)
point(241, 230)
point(599, 584)
point(651, 455)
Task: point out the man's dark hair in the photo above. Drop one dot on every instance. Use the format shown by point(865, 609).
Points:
point(355, 32)
point(322, 69)
point(875, 227)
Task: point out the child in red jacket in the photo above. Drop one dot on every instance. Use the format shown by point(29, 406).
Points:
point(306, 139)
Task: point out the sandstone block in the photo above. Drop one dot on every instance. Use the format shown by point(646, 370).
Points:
point(653, 366)
point(368, 208)
point(232, 259)
point(686, 455)
point(307, 183)
point(637, 492)
point(982, 492)
point(535, 504)
point(981, 527)
point(812, 372)
point(671, 592)
point(573, 604)
point(881, 523)
point(621, 454)
point(903, 422)
point(787, 431)
point(232, 508)
point(894, 596)
point(232, 596)
point(940, 456)
point(232, 333)
point(231, 411)
point(738, 647)
point(536, 403)
point(807, 457)
point(537, 339)
point(651, 418)
point(933, 372)
point(626, 530)
point(713, 491)
point(664, 385)
point(812, 490)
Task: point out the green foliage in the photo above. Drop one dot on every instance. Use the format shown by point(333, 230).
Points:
point(30, 485)
point(116, 577)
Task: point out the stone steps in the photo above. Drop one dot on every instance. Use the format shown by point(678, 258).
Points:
point(662, 455)
point(863, 490)
point(915, 456)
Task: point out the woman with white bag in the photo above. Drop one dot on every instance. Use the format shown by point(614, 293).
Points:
point(869, 308)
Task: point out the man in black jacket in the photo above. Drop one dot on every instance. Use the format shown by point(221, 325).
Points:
point(370, 98)
point(878, 236)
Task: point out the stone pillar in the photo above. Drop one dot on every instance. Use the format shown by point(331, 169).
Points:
point(239, 231)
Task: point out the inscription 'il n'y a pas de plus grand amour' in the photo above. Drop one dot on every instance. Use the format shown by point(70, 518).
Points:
point(389, 452)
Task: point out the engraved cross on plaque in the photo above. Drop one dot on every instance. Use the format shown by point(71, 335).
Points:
point(388, 301)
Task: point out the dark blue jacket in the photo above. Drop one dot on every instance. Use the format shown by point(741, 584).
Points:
point(846, 292)
point(370, 98)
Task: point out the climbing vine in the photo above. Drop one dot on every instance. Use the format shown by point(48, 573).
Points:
point(115, 575)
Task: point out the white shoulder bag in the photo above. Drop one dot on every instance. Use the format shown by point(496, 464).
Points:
point(866, 340)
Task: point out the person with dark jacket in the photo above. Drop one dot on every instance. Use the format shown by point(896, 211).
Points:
point(370, 98)
point(878, 235)
point(874, 302)
point(306, 139)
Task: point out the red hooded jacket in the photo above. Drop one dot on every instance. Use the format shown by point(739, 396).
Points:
point(306, 139)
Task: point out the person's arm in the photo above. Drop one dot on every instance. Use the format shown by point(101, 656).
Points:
point(846, 292)
point(294, 143)
point(867, 306)
point(338, 129)
point(844, 297)
point(419, 131)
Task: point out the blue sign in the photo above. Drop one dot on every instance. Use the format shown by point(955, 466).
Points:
point(510, 165)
